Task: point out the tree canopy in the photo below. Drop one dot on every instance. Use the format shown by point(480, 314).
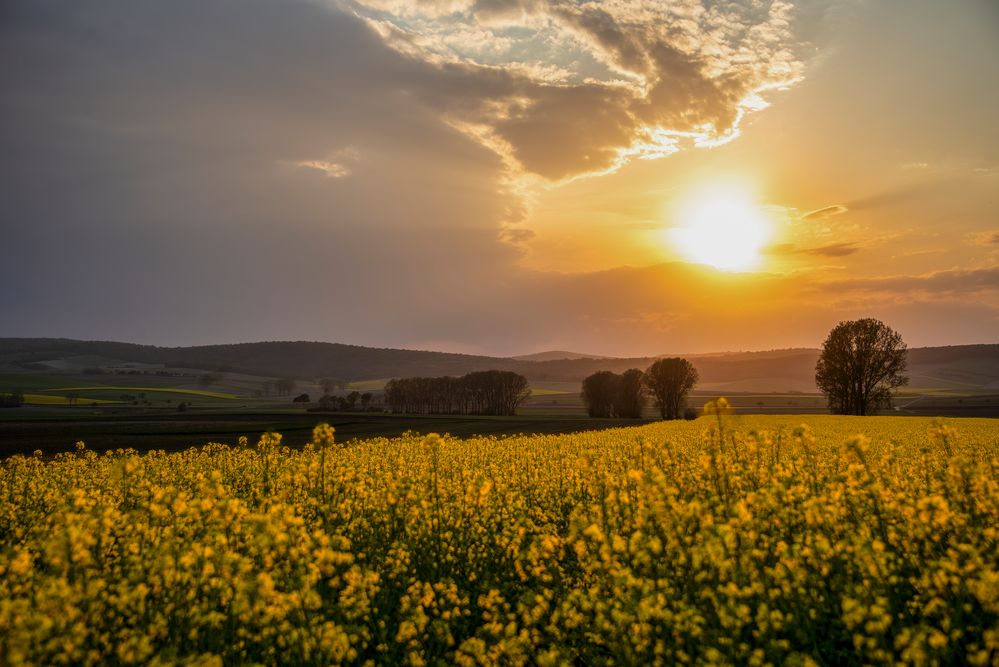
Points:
point(861, 364)
point(669, 381)
point(480, 393)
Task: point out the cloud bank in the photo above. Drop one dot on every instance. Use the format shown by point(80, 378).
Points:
point(561, 88)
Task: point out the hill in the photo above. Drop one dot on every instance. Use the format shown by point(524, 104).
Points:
point(556, 355)
point(971, 368)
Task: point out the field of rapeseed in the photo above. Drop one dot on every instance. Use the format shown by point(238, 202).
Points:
point(725, 540)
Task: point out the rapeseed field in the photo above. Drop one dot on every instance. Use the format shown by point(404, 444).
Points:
point(725, 540)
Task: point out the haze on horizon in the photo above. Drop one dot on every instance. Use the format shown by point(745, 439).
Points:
point(499, 176)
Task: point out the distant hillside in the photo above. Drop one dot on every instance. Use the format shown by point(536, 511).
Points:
point(299, 359)
point(556, 355)
point(964, 367)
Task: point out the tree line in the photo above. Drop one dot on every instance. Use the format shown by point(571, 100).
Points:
point(478, 393)
point(666, 381)
point(861, 365)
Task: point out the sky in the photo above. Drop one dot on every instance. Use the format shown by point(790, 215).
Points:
point(499, 177)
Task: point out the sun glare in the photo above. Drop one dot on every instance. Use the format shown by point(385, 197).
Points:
point(721, 227)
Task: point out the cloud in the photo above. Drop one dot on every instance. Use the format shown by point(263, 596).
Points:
point(831, 250)
point(188, 178)
point(330, 169)
point(825, 212)
point(335, 166)
point(955, 281)
point(562, 88)
point(516, 235)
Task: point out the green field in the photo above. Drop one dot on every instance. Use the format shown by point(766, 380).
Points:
point(201, 393)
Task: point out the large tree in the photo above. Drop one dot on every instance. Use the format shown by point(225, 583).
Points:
point(860, 367)
point(630, 394)
point(669, 381)
point(600, 391)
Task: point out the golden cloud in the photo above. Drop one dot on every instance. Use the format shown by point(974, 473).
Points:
point(561, 88)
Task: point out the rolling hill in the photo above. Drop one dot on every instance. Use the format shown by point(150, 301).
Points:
point(970, 368)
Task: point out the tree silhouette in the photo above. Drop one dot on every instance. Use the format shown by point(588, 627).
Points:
point(479, 393)
point(669, 381)
point(860, 367)
point(630, 399)
point(600, 392)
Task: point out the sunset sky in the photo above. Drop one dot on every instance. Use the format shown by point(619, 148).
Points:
point(500, 177)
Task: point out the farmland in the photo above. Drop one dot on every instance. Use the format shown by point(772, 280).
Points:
point(726, 540)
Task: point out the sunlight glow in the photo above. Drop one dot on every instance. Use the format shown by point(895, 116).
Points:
point(722, 227)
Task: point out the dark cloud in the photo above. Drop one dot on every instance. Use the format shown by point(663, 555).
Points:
point(152, 187)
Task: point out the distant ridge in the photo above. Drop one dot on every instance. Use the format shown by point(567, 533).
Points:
point(964, 367)
point(557, 355)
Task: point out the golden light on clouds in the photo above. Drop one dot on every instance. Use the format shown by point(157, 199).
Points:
point(616, 177)
point(721, 226)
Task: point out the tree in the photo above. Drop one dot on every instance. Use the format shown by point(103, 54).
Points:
point(630, 399)
point(366, 400)
point(669, 381)
point(600, 392)
point(352, 399)
point(860, 367)
point(479, 393)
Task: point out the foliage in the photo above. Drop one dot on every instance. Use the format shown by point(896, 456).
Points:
point(631, 394)
point(607, 394)
point(861, 365)
point(599, 393)
point(727, 540)
point(480, 393)
point(669, 381)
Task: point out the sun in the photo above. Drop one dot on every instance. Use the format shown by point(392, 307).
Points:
point(721, 227)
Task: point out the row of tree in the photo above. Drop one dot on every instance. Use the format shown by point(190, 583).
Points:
point(479, 393)
point(667, 381)
point(349, 402)
point(861, 365)
point(608, 394)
